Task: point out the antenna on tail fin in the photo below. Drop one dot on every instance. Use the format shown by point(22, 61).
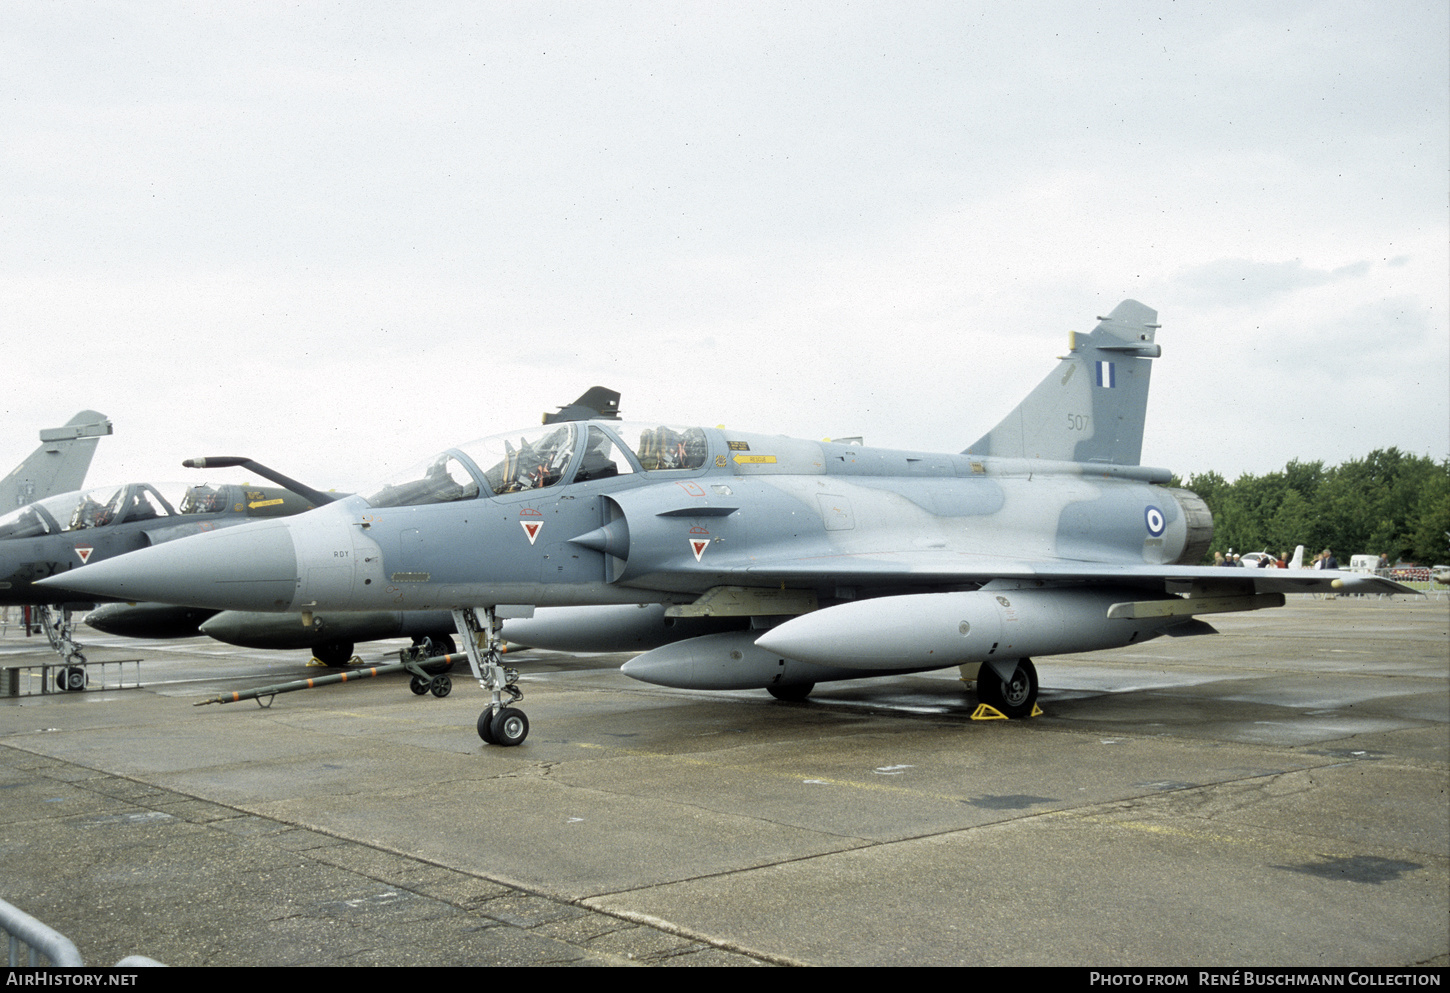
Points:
point(1093, 406)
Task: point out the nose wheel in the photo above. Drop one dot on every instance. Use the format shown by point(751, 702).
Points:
point(71, 678)
point(499, 724)
point(506, 726)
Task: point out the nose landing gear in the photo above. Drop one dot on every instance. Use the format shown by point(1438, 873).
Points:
point(499, 724)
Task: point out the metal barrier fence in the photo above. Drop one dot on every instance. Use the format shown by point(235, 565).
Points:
point(1426, 587)
point(35, 940)
point(41, 945)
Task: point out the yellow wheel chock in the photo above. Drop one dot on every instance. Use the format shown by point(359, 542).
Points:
point(987, 712)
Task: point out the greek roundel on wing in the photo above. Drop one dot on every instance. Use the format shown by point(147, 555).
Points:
point(1153, 517)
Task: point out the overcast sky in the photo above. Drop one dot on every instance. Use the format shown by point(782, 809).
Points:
point(337, 237)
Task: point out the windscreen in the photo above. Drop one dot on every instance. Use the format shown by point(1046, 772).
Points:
point(440, 479)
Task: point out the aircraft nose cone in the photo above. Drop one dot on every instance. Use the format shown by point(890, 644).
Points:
point(250, 567)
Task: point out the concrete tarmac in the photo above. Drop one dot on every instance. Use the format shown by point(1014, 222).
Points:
point(1275, 795)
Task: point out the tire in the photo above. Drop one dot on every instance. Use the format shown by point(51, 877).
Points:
point(485, 726)
point(793, 693)
point(509, 727)
point(70, 679)
point(418, 685)
point(440, 686)
point(1016, 697)
point(333, 654)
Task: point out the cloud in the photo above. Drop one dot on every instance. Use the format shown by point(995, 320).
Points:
point(1242, 282)
point(315, 237)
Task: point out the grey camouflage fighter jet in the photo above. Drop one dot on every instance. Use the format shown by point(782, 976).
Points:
point(65, 531)
point(1043, 537)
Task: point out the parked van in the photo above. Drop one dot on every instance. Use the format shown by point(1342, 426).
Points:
point(1367, 564)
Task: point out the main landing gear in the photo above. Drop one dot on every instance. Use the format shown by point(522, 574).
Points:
point(333, 654)
point(791, 693)
point(499, 724)
point(1013, 692)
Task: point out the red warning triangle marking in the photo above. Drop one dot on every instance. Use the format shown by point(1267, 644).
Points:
point(84, 551)
point(698, 545)
point(532, 529)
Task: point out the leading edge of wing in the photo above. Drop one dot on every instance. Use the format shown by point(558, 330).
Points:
point(909, 569)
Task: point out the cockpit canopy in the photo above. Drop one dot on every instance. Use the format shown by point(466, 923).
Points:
point(103, 506)
point(538, 458)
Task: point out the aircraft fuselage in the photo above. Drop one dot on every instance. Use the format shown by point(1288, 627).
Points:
point(756, 511)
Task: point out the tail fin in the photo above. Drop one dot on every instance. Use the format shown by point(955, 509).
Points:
point(58, 465)
point(1297, 562)
point(595, 403)
point(1093, 406)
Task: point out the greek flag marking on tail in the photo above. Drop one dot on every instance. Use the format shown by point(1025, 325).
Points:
point(1102, 381)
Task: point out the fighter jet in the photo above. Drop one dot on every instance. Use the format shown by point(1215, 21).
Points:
point(332, 636)
point(1045, 536)
point(63, 532)
point(58, 465)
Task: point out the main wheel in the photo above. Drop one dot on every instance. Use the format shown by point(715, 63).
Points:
point(333, 654)
point(71, 678)
point(440, 686)
point(485, 726)
point(509, 726)
point(1013, 697)
point(793, 693)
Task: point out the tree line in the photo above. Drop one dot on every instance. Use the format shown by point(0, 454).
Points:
point(1385, 503)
